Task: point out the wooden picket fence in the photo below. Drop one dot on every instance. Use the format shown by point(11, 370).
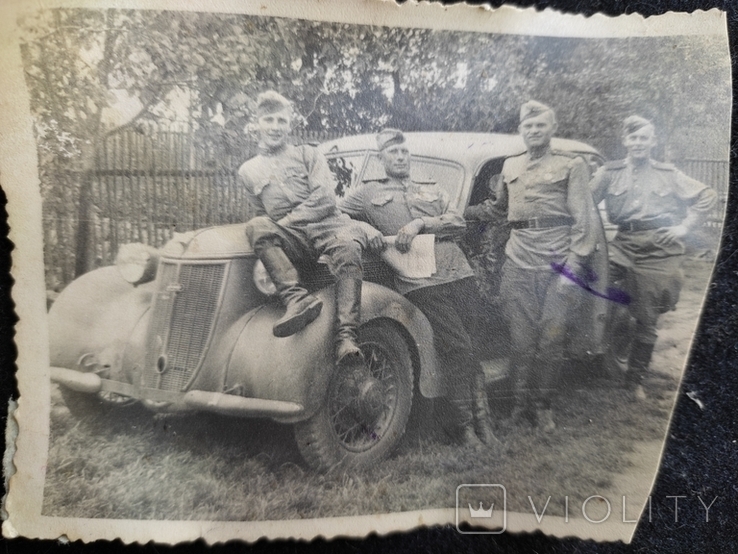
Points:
point(149, 182)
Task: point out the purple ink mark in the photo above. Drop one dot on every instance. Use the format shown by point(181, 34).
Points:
point(585, 281)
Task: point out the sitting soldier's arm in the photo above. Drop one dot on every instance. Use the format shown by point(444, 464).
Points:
point(321, 203)
point(372, 238)
point(352, 202)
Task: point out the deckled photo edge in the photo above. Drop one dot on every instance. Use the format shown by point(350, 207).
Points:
point(18, 174)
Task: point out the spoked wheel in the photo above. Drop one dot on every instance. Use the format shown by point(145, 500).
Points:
point(367, 405)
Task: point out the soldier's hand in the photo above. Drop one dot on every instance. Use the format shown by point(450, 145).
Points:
point(670, 234)
point(473, 212)
point(406, 235)
point(376, 242)
point(374, 239)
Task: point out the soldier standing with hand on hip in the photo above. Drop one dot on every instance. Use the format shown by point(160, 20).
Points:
point(297, 221)
point(555, 229)
point(654, 206)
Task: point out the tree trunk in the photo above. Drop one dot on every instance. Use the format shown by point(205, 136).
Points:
point(84, 254)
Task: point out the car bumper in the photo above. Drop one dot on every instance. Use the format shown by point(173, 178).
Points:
point(226, 404)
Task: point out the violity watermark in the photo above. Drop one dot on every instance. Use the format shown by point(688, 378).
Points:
point(486, 505)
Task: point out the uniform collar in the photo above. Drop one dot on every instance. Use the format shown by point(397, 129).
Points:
point(546, 154)
point(265, 151)
point(647, 164)
point(404, 182)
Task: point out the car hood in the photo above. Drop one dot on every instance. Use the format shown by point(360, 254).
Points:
point(224, 241)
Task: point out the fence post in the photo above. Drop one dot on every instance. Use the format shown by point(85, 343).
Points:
point(83, 242)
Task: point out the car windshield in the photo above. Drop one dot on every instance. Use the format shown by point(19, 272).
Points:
point(347, 169)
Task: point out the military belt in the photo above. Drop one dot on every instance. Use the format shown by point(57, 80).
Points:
point(648, 225)
point(541, 222)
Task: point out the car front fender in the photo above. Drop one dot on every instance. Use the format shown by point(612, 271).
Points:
point(297, 368)
point(92, 321)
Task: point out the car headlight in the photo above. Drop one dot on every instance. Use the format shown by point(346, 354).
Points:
point(137, 263)
point(262, 280)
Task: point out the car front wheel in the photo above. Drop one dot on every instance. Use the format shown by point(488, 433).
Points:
point(367, 405)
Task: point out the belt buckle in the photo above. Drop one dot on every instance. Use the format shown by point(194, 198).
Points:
point(533, 223)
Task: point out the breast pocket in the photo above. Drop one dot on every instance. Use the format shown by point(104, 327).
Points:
point(543, 183)
point(428, 203)
point(380, 200)
point(516, 196)
point(617, 188)
point(661, 190)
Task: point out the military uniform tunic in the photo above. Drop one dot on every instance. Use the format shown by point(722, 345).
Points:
point(554, 222)
point(390, 204)
point(291, 189)
point(656, 192)
point(554, 185)
point(449, 298)
point(642, 201)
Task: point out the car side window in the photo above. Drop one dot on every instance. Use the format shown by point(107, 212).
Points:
point(485, 181)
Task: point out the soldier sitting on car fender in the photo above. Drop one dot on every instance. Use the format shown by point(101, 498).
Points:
point(397, 205)
point(291, 189)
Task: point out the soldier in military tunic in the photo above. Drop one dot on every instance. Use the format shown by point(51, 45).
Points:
point(397, 205)
point(654, 206)
point(291, 188)
point(544, 197)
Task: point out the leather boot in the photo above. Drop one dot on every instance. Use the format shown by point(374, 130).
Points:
point(620, 333)
point(482, 417)
point(301, 308)
point(547, 378)
point(348, 317)
point(521, 375)
point(463, 406)
point(638, 362)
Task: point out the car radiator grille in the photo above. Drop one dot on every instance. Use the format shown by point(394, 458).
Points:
point(183, 316)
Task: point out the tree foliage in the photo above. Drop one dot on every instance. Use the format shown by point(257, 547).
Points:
point(90, 72)
point(354, 78)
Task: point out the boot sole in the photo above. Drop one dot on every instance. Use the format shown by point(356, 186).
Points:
point(300, 321)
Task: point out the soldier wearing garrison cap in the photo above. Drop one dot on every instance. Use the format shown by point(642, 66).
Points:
point(398, 205)
point(654, 206)
point(291, 188)
point(555, 229)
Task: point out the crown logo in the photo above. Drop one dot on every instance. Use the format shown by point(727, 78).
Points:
point(481, 512)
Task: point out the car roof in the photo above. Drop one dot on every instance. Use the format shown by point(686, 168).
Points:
point(469, 149)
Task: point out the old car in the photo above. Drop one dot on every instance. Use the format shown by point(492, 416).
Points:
point(188, 327)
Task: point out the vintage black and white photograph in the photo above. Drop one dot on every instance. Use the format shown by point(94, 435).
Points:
point(293, 268)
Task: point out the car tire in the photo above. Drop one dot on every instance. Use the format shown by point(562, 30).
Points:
point(83, 405)
point(349, 431)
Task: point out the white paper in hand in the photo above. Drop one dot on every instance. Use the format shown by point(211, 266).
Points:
point(418, 262)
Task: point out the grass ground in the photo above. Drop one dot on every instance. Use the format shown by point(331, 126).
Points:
point(207, 467)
